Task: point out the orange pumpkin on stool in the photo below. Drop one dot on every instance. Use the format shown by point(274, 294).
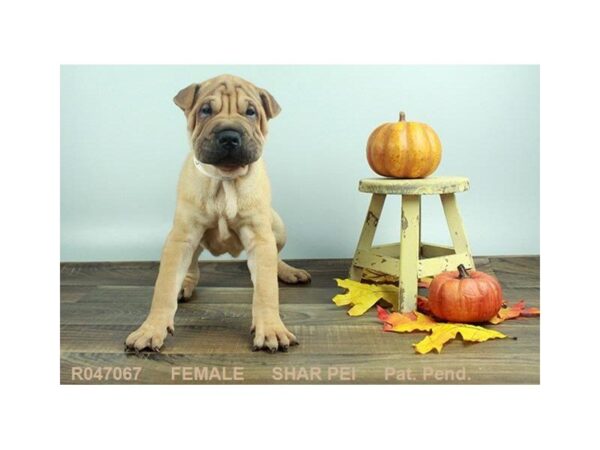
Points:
point(404, 149)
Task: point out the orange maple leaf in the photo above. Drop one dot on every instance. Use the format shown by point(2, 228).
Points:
point(514, 311)
point(405, 322)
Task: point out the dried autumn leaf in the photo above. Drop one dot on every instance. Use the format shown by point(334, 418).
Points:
point(514, 311)
point(373, 276)
point(444, 332)
point(363, 296)
point(405, 322)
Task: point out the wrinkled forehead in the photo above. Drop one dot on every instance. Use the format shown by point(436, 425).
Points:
point(228, 95)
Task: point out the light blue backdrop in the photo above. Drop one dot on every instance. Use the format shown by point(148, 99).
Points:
point(123, 142)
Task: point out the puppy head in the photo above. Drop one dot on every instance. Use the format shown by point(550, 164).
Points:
point(227, 123)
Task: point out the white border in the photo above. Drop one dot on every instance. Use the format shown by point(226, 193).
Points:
point(38, 36)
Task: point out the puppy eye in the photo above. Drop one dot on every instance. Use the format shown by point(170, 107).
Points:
point(251, 112)
point(205, 110)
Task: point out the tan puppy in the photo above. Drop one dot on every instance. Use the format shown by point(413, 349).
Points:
point(223, 205)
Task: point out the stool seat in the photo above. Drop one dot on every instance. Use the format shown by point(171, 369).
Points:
point(417, 186)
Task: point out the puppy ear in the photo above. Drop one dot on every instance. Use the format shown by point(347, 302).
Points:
point(269, 103)
point(185, 98)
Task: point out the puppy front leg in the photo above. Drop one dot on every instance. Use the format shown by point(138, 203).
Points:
point(175, 260)
point(269, 330)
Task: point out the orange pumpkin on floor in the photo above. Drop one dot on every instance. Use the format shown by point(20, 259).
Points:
point(404, 149)
point(464, 297)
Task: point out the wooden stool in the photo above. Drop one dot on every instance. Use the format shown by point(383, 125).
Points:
point(410, 259)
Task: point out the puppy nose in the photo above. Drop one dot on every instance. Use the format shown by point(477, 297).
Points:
point(229, 139)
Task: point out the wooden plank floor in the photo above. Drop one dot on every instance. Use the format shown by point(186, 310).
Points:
point(102, 302)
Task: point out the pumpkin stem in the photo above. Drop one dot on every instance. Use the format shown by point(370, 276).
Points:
point(462, 272)
point(402, 116)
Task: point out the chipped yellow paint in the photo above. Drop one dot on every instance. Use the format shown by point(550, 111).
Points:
point(409, 253)
point(456, 227)
point(368, 232)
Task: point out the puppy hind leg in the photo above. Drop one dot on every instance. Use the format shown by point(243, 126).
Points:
point(285, 272)
point(191, 278)
point(291, 275)
point(278, 230)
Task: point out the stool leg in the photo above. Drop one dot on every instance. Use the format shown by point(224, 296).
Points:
point(457, 229)
point(420, 254)
point(368, 233)
point(409, 253)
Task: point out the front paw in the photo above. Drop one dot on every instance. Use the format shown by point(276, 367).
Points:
point(150, 335)
point(271, 334)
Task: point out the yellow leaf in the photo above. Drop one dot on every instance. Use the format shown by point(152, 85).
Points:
point(444, 332)
point(363, 296)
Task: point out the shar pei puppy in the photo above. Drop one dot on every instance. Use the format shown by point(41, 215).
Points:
point(224, 206)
